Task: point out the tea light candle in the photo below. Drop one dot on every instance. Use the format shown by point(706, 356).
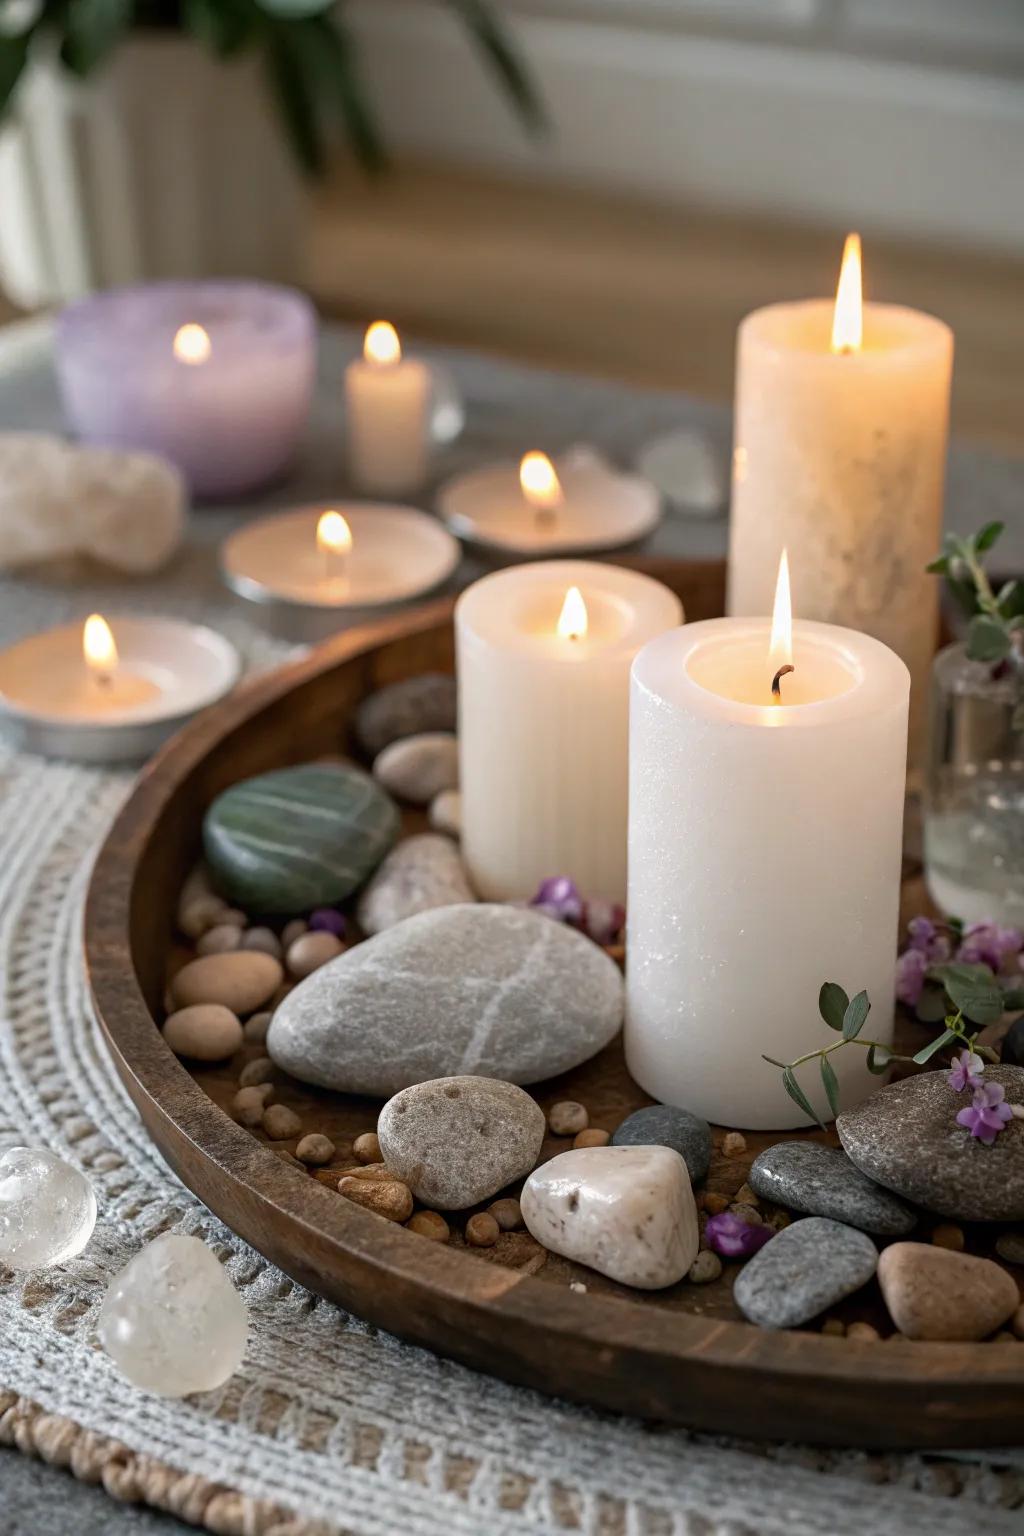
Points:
point(355, 555)
point(100, 693)
point(840, 454)
point(764, 857)
point(539, 507)
point(387, 411)
point(543, 670)
point(215, 376)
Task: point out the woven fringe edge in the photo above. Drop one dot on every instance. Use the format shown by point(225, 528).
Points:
point(135, 1478)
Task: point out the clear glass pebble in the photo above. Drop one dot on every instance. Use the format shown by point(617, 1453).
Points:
point(47, 1209)
point(172, 1322)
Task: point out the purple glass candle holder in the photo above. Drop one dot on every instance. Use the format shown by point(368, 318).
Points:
point(215, 376)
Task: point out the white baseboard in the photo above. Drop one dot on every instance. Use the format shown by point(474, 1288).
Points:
point(795, 133)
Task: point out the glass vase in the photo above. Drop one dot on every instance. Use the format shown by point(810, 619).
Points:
point(974, 790)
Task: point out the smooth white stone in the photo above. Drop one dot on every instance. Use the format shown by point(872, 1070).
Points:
point(419, 768)
point(126, 510)
point(172, 1322)
point(47, 1209)
point(628, 1212)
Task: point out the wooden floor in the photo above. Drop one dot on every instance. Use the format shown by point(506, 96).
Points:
point(652, 296)
point(588, 283)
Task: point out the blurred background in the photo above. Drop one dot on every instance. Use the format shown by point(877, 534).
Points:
point(599, 185)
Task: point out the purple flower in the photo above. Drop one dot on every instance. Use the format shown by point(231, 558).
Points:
point(966, 1072)
point(925, 936)
point(603, 920)
point(558, 897)
point(911, 969)
point(733, 1238)
point(327, 920)
point(987, 1115)
point(990, 944)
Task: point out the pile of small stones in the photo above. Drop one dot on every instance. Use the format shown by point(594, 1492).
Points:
point(396, 1015)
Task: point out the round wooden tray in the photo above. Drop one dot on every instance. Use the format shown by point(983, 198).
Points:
point(681, 1354)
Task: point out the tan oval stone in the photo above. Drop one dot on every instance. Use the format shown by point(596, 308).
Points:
point(310, 952)
point(220, 940)
point(936, 1293)
point(242, 981)
point(204, 1031)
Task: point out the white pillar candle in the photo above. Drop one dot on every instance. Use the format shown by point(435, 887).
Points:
point(764, 860)
point(543, 705)
point(387, 403)
point(840, 454)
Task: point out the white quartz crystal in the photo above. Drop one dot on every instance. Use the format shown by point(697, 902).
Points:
point(126, 510)
point(47, 1209)
point(628, 1212)
point(172, 1322)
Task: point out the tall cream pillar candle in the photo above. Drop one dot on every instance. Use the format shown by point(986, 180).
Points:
point(764, 860)
point(840, 455)
point(387, 401)
point(543, 667)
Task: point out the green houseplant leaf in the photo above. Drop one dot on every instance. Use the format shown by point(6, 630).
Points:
point(831, 1085)
point(92, 29)
point(832, 1005)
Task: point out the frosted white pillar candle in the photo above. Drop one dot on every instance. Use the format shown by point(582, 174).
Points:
point(840, 456)
point(764, 859)
point(387, 404)
point(543, 709)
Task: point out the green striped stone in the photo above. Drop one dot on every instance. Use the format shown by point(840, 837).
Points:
point(298, 838)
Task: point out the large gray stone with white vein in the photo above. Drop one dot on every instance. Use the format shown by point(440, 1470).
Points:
point(482, 990)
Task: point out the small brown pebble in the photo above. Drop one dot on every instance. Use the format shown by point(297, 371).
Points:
point(579, 1286)
point(507, 1214)
point(592, 1138)
point(733, 1144)
point(745, 1196)
point(567, 1117)
point(779, 1220)
point(315, 1149)
point(1017, 1322)
point(259, 1070)
point(376, 1171)
point(391, 1199)
point(366, 1148)
point(248, 1104)
point(255, 1029)
point(292, 931)
point(948, 1236)
point(309, 953)
point(429, 1224)
point(482, 1231)
point(707, 1266)
point(329, 1176)
point(280, 1122)
point(204, 1032)
point(235, 916)
point(263, 939)
point(202, 913)
point(833, 1328)
point(746, 1213)
point(714, 1203)
point(219, 940)
point(863, 1333)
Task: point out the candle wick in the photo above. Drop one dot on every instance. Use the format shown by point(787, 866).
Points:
point(777, 681)
point(104, 679)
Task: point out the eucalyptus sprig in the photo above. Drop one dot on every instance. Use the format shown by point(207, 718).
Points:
point(975, 997)
point(996, 630)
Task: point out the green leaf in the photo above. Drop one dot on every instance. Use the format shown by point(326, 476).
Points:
point(987, 537)
point(832, 1004)
point(931, 1006)
point(987, 638)
point(223, 26)
point(964, 594)
point(973, 989)
point(1013, 998)
point(501, 53)
point(934, 1046)
point(1010, 600)
point(798, 1096)
point(332, 64)
point(13, 55)
point(831, 1085)
point(855, 1016)
point(92, 29)
point(289, 84)
point(939, 567)
point(879, 1059)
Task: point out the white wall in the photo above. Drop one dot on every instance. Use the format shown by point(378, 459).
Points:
point(898, 115)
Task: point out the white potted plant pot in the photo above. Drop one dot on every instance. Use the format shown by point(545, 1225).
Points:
point(166, 163)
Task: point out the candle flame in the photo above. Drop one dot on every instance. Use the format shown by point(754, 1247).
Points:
point(381, 344)
point(540, 484)
point(98, 648)
point(192, 345)
point(780, 647)
point(848, 318)
point(333, 534)
point(572, 621)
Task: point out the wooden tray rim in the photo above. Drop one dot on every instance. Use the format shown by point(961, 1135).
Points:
point(154, 1076)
